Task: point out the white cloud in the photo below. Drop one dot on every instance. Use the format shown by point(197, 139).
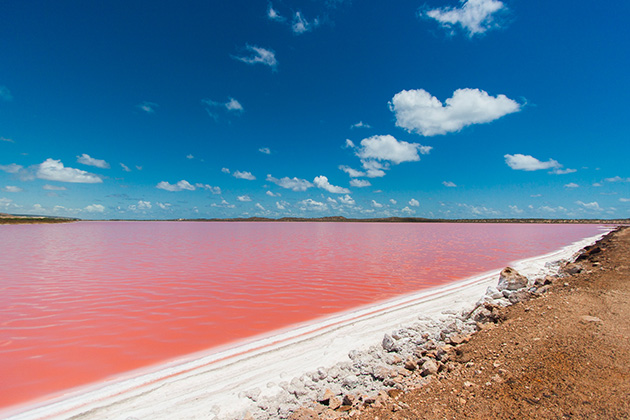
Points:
point(180, 186)
point(7, 140)
point(312, 205)
point(301, 25)
point(260, 207)
point(148, 107)
point(353, 173)
point(349, 144)
point(224, 204)
point(232, 105)
point(294, 184)
point(225, 170)
point(374, 169)
point(189, 156)
point(95, 208)
point(141, 206)
point(244, 175)
point(589, 206)
point(125, 167)
point(243, 198)
point(213, 190)
point(389, 149)
point(259, 56)
point(558, 171)
point(414, 203)
point(548, 209)
point(54, 188)
point(515, 210)
point(331, 200)
point(571, 185)
point(322, 182)
point(360, 183)
point(449, 184)
point(11, 168)
point(163, 206)
point(272, 194)
point(393, 202)
point(272, 14)
point(625, 200)
point(597, 184)
point(281, 205)
point(5, 94)
point(360, 124)
point(376, 204)
point(53, 170)
point(474, 16)
point(416, 110)
point(12, 189)
point(617, 179)
point(529, 163)
point(86, 159)
point(265, 150)
point(347, 200)
point(407, 210)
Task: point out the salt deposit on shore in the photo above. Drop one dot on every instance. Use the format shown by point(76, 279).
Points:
point(271, 376)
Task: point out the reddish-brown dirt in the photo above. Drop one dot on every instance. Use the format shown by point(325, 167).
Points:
point(565, 354)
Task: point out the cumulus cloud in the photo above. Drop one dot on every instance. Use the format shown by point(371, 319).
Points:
point(141, 206)
point(376, 204)
point(417, 110)
point(213, 190)
point(393, 202)
point(86, 159)
point(360, 124)
point(474, 16)
point(414, 203)
point(148, 107)
point(625, 200)
point(387, 148)
point(272, 194)
point(125, 167)
point(11, 168)
point(516, 210)
point(244, 175)
point(53, 188)
point(529, 163)
point(294, 184)
point(374, 169)
point(265, 150)
point(407, 210)
point(312, 205)
point(5, 94)
point(259, 55)
point(617, 179)
point(11, 189)
point(360, 183)
point(232, 105)
point(300, 24)
point(54, 170)
point(571, 185)
point(95, 208)
point(243, 198)
point(272, 14)
point(281, 205)
point(163, 206)
point(589, 206)
point(225, 170)
point(347, 200)
point(179, 186)
point(353, 173)
point(449, 184)
point(322, 182)
point(260, 207)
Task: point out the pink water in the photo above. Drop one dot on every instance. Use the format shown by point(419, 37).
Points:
point(84, 301)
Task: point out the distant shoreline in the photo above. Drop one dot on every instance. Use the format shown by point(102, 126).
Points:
point(24, 219)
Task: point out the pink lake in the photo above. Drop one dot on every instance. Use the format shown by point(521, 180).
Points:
point(85, 301)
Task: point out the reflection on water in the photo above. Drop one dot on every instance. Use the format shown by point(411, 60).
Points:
point(83, 301)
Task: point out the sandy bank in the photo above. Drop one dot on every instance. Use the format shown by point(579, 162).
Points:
point(258, 377)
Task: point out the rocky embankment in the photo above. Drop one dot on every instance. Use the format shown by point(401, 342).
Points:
point(381, 378)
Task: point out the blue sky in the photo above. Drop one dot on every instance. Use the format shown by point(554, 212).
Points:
point(469, 109)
